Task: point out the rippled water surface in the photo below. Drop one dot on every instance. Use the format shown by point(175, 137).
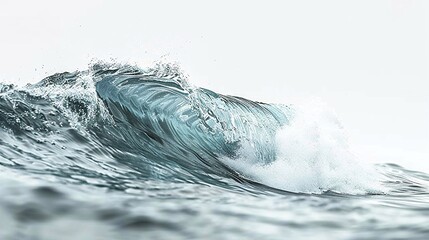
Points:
point(125, 153)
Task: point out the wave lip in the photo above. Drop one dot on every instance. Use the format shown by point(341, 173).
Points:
point(190, 116)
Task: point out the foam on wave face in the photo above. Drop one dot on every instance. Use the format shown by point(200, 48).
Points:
point(313, 156)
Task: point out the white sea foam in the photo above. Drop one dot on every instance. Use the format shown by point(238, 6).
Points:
point(81, 92)
point(313, 156)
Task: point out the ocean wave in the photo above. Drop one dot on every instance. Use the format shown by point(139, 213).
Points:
point(114, 123)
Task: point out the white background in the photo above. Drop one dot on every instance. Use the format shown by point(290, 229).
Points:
point(368, 60)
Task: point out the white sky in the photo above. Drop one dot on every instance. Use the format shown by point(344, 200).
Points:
point(369, 60)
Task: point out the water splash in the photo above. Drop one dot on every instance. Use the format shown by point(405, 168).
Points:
point(313, 156)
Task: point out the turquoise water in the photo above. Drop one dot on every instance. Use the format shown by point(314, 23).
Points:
point(119, 152)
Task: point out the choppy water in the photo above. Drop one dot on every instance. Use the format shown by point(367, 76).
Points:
point(117, 152)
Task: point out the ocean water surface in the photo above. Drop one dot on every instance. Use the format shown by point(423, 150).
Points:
point(120, 152)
